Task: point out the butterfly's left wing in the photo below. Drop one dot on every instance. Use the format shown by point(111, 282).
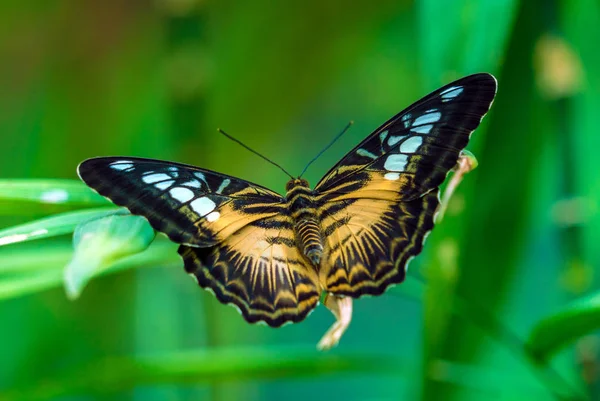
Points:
point(378, 203)
point(237, 237)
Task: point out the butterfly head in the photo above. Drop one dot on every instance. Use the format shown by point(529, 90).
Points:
point(296, 182)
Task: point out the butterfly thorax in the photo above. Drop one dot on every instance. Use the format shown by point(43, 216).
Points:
point(301, 201)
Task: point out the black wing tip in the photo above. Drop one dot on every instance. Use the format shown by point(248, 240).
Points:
point(483, 79)
point(87, 166)
point(479, 76)
point(480, 79)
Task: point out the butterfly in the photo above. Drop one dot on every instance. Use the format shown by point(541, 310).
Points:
point(272, 256)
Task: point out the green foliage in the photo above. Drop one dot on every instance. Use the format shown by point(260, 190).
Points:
point(101, 242)
point(575, 320)
point(504, 283)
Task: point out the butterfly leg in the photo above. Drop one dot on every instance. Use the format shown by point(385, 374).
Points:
point(466, 163)
point(341, 307)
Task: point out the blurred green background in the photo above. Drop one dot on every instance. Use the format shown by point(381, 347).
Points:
point(514, 260)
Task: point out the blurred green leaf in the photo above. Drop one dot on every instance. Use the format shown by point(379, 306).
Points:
point(101, 242)
point(12, 287)
point(224, 364)
point(59, 224)
point(50, 191)
point(229, 364)
point(32, 269)
point(468, 37)
point(556, 331)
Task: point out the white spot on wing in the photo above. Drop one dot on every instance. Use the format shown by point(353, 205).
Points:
point(213, 216)
point(155, 177)
point(406, 120)
point(428, 118)
point(391, 176)
point(223, 185)
point(54, 196)
point(192, 183)
point(423, 129)
point(395, 139)
point(411, 144)
point(192, 275)
point(383, 135)
point(203, 206)
point(451, 93)
point(174, 171)
point(121, 165)
point(181, 194)
point(408, 262)
point(395, 162)
point(365, 153)
point(164, 184)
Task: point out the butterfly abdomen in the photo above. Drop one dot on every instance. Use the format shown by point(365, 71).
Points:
point(308, 230)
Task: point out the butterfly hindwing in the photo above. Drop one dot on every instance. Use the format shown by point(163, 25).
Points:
point(368, 242)
point(237, 238)
point(378, 203)
point(260, 270)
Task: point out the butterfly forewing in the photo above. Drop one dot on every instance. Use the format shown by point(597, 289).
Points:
point(419, 145)
point(378, 203)
point(238, 237)
point(191, 206)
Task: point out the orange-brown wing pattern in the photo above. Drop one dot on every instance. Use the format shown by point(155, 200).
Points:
point(369, 241)
point(378, 203)
point(259, 269)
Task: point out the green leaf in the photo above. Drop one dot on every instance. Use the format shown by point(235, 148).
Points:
point(227, 364)
point(59, 224)
point(49, 191)
point(22, 285)
point(30, 269)
point(470, 36)
point(562, 328)
point(101, 242)
point(207, 366)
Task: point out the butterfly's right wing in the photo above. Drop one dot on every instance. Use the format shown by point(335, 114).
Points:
point(378, 203)
point(237, 237)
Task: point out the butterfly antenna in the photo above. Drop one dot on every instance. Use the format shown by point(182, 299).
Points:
point(254, 151)
point(328, 146)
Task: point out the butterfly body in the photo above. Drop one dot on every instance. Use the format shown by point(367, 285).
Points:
point(354, 234)
point(303, 209)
